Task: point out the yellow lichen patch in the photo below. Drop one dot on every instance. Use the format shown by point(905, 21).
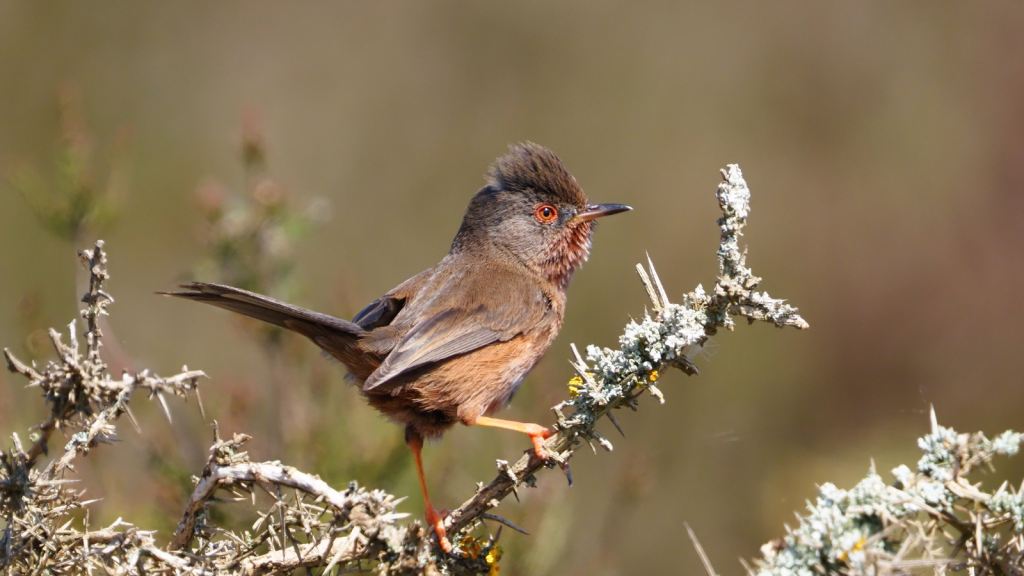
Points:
point(471, 546)
point(653, 376)
point(574, 386)
point(856, 547)
point(474, 547)
point(492, 560)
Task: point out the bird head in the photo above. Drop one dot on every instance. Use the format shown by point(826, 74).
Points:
point(533, 210)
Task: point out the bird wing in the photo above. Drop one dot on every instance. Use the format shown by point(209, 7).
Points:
point(491, 308)
point(379, 313)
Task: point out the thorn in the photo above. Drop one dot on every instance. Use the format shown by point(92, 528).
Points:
point(686, 365)
point(657, 282)
point(656, 393)
point(700, 551)
point(576, 352)
point(580, 366)
point(128, 411)
point(501, 520)
point(392, 516)
point(603, 441)
point(199, 400)
point(73, 336)
point(935, 421)
point(337, 555)
point(565, 468)
point(616, 423)
point(646, 280)
point(163, 402)
point(1002, 488)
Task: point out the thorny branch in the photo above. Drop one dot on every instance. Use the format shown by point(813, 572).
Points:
point(310, 524)
point(82, 396)
point(615, 379)
point(931, 519)
point(79, 390)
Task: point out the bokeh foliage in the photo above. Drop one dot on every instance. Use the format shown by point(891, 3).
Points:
point(887, 135)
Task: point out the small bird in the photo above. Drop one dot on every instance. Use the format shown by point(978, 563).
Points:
point(453, 343)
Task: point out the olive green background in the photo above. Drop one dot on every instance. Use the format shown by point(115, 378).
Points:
point(883, 143)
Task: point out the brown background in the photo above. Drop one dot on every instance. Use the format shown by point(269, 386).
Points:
point(884, 143)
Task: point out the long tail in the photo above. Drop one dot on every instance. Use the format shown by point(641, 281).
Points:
point(305, 322)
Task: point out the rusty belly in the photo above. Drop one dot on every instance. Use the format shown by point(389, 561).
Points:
point(460, 389)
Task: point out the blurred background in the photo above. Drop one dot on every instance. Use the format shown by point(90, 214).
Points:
point(324, 153)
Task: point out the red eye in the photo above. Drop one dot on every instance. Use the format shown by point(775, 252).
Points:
point(546, 214)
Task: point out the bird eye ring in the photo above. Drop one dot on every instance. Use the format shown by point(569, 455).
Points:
point(545, 213)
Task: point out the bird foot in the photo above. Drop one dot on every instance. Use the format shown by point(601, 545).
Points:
point(437, 522)
point(539, 434)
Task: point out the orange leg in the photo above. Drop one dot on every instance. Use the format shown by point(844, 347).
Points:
point(537, 432)
point(415, 442)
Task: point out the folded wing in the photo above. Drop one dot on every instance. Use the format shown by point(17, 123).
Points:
point(446, 329)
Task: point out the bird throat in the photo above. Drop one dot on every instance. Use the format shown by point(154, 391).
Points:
point(567, 253)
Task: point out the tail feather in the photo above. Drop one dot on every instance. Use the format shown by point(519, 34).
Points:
point(268, 309)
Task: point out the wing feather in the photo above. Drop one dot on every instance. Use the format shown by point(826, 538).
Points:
point(446, 332)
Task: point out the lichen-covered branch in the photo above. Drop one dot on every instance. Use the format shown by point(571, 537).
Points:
point(367, 514)
point(611, 379)
point(80, 392)
point(317, 527)
point(84, 401)
point(309, 524)
point(934, 518)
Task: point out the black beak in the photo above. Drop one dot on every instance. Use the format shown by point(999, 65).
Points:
point(599, 210)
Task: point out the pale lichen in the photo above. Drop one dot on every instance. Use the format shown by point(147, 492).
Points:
point(877, 528)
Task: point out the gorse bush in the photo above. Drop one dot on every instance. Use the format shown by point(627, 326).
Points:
point(309, 524)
